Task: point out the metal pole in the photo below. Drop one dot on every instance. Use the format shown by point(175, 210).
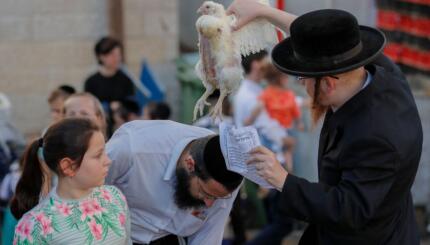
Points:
point(280, 4)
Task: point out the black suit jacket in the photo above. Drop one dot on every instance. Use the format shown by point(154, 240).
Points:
point(368, 156)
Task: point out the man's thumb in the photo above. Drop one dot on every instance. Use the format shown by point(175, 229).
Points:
point(229, 11)
point(239, 23)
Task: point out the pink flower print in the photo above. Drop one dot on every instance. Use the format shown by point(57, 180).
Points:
point(96, 229)
point(86, 209)
point(46, 226)
point(96, 207)
point(40, 217)
point(15, 241)
point(123, 198)
point(18, 228)
point(122, 219)
point(45, 222)
point(106, 195)
point(64, 209)
point(24, 229)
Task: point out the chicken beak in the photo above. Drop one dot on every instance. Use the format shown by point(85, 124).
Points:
point(200, 10)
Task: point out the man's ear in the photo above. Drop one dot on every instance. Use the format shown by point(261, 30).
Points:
point(67, 167)
point(328, 85)
point(189, 163)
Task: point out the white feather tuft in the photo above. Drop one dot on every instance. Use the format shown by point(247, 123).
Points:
point(255, 36)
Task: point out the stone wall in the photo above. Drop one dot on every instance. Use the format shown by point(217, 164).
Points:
point(45, 43)
point(364, 10)
point(421, 187)
point(151, 32)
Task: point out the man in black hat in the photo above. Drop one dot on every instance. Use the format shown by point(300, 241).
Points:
point(175, 180)
point(371, 139)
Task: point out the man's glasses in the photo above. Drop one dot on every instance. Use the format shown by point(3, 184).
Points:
point(303, 79)
point(205, 195)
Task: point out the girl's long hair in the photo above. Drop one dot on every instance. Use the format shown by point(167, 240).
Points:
point(67, 138)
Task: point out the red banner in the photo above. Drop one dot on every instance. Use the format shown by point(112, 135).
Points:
point(394, 21)
point(408, 55)
point(422, 2)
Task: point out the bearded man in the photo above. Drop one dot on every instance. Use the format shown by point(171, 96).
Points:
point(175, 180)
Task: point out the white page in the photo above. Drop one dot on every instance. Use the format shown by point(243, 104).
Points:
point(235, 145)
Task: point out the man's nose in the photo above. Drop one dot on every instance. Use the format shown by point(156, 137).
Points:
point(208, 202)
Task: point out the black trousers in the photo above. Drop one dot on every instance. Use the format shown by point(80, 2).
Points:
point(279, 226)
point(167, 240)
point(237, 222)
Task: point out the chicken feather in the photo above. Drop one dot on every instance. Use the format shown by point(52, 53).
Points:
point(220, 50)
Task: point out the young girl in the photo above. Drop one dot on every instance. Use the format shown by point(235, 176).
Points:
point(80, 210)
point(280, 104)
point(278, 100)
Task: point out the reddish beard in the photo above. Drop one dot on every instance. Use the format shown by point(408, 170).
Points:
point(317, 112)
point(317, 109)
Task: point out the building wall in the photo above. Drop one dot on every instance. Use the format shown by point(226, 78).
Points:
point(364, 10)
point(45, 43)
point(151, 32)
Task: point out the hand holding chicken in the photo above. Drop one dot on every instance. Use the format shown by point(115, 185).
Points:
point(220, 49)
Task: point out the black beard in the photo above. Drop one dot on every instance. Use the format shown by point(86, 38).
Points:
point(183, 197)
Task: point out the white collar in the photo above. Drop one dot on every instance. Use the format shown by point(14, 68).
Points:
point(368, 80)
point(252, 85)
point(176, 153)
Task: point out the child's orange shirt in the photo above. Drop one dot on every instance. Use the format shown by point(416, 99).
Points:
point(281, 105)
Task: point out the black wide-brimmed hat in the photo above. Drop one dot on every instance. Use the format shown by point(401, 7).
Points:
point(327, 42)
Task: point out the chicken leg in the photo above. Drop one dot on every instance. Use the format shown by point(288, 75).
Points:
point(200, 104)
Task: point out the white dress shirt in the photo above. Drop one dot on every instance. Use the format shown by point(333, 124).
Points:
point(144, 157)
point(245, 101)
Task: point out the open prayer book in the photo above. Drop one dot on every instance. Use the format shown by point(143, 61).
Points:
point(235, 145)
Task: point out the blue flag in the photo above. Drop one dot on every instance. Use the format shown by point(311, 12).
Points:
point(148, 81)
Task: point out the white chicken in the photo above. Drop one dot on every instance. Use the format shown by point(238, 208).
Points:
point(220, 50)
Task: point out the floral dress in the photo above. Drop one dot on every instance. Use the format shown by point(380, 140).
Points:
point(100, 218)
